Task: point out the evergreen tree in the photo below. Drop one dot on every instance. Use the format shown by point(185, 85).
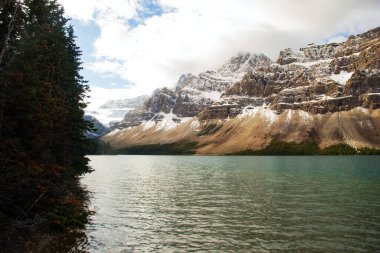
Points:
point(42, 130)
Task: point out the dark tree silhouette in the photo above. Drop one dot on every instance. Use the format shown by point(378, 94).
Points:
point(42, 130)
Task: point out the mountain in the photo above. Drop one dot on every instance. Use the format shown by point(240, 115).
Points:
point(114, 110)
point(100, 128)
point(124, 103)
point(324, 94)
point(194, 93)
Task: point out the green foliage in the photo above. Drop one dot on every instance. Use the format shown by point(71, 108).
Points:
point(100, 147)
point(160, 149)
point(67, 216)
point(42, 130)
point(368, 151)
point(277, 147)
point(339, 149)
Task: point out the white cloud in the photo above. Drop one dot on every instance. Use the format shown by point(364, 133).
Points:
point(106, 67)
point(86, 10)
point(196, 35)
point(82, 10)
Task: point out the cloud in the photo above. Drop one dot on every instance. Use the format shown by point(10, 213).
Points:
point(82, 10)
point(106, 67)
point(87, 10)
point(151, 47)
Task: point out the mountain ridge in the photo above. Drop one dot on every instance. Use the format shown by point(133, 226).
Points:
point(317, 82)
point(112, 111)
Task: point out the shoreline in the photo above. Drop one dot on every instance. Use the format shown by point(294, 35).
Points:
point(274, 148)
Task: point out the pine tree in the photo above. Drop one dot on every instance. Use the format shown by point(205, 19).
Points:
point(42, 130)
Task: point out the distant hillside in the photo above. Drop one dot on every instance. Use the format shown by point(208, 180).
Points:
point(100, 128)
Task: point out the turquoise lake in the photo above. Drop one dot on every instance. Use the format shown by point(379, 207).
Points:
point(234, 204)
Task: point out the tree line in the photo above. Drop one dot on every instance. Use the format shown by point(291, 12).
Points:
point(42, 130)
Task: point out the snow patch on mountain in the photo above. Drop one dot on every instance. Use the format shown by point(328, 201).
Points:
point(306, 117)
point(312, 63)
point(115, 131)
point(197, 95)
point(148, 124)
point(194, 124)
point(263, 111)
point(164, 121)
point(342, 77)
point(365, 111)
point(288, 117)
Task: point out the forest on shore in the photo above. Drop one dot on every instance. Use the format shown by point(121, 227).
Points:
point(42, 130)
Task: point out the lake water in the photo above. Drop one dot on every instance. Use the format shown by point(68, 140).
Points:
point(234, 204)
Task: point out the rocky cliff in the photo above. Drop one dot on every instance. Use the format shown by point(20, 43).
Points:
point(326, 93)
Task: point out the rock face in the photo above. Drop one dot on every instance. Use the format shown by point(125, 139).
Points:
point(321, 83)
point(195, 93)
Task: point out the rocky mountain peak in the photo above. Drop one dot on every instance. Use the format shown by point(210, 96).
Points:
point(243, 63)
point(371, 34)
point(315, 79)
point(329, 93)
point(310, 53)
point(193, 93)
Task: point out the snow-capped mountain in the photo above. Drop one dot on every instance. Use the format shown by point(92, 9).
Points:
point(194, 93)
point(124, 103)
point(114, 111)
point(328, 93)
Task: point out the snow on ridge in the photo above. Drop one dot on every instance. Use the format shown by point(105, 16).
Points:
point(113, 132)
point(306, 117)
point(263, 111)
point(213, 95)
point(289, 116)
point(362, 110)
point(271, 116)
point(196, 94)
point(294, 89)
point(238, 65)
point(148, 124)
point(311, 63)
point(194, 124)
point(342, 77)
point(166, 123)
point(217, 78)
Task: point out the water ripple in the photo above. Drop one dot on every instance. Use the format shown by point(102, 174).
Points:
point(234, 204)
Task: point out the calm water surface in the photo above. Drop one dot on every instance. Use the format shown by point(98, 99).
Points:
point(234, 204)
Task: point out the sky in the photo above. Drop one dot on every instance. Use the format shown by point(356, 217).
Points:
point(132, 47)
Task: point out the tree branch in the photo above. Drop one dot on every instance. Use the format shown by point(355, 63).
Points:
point(10, 29)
